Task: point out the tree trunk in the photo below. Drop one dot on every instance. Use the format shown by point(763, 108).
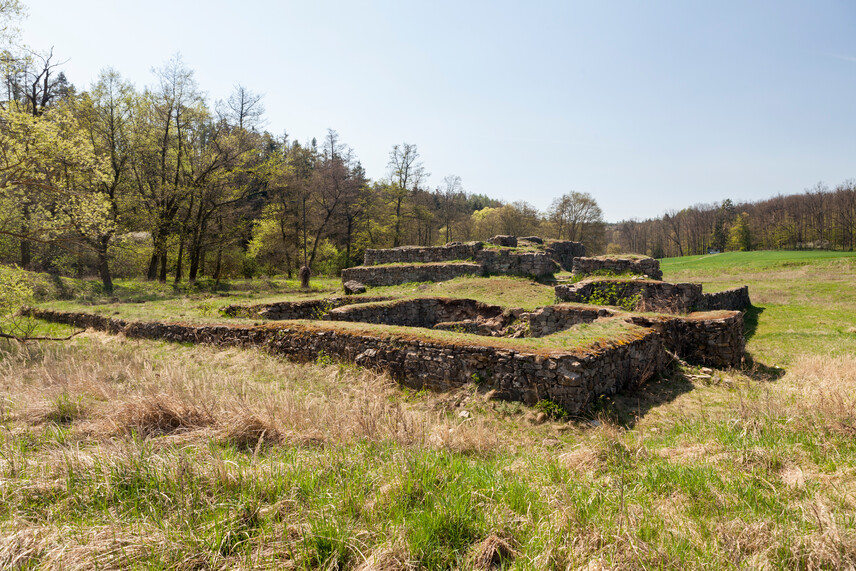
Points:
point(104, 265)
point(348, 243)
point(396, 241)
point(178, 268)
point(217, 267)
point(195, 259)
point(26, 256)
point(162, 276)
point(152, 272)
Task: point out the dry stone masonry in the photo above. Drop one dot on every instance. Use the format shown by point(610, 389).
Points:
point(651, 295)
point(734, 298)
point(419, 255)
point(308, 309)
point(648, 267)
point(564, 252)
point(405, 273)
point(418, 264)
point(572, 378)
point(554, 318)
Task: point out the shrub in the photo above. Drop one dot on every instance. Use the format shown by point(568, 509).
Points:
point(15, 293)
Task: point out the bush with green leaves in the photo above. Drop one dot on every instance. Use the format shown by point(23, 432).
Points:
point(614, 294)
point(15, 294)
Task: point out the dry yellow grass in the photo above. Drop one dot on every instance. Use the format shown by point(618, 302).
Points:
point(227, 422)
point(113, 388)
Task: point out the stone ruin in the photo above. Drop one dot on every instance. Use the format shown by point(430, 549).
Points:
point(502, 255)
point(643, 294)
point(442, 343)
point(643, 266)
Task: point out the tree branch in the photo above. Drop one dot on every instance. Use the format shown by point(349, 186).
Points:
point(27, 338)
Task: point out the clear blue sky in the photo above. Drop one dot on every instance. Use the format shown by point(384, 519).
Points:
point(648, 106)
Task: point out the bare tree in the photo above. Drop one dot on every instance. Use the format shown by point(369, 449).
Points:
point(406, 173)
point(244, 108)
point(450, 195)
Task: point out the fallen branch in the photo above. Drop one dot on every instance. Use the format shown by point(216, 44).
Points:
point(27, 338)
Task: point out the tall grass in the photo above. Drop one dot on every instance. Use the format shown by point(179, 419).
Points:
point(117, 453)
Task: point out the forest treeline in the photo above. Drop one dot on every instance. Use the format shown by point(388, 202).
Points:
point(158, 182)
point(819, 218)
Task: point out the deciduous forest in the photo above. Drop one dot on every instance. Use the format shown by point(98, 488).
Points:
point(112, 180)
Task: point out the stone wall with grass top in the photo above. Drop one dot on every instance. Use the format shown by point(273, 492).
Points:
point(554, 318)
point(652, 295)
point(735, 298)
point(564, 252)
point(571, 378)
point(631, 265)
point(423, 255)
point(401, 274)
point(712, 338)
point(418, 312)
point(509, 262)
point(304, 309)
point(647, 295)
point(499, 261)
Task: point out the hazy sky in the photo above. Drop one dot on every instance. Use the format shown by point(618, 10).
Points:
point(648, 106)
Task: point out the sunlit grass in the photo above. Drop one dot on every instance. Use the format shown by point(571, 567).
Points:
point(118, 453)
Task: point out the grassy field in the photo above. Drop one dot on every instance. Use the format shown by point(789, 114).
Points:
point(805, 301)
point(118, 453)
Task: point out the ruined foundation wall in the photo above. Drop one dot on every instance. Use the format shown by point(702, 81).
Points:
point(713, 338)
point(555, 318)
point(422, 255)
point(564, 252)
point(394, 275)
point(571, 380)
point(419, 312)
point(643, 266)
point(653, 295)
point(508, 262)
point(307, 309)
point(734, 299)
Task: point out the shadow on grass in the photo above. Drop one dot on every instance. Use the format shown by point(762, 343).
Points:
point(758, 371)
point(750, 320)
point(629, 406)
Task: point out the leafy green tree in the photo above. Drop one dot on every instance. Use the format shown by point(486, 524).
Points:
point(49, 161)
point(739, 235)
point(105, 114)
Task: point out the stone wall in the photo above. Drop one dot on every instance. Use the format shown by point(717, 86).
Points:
point(503, 262)
point(657, 295)
point(418, 312)
point(571, 378)
point(564, 252)
point(653, 295)
point(554, 318)
point(306, 309)
point(704, 338)
point(643, 266)
point(735, 298)
point(506, 241)
point(394, 275)
point(419, 255)
point(509, 262)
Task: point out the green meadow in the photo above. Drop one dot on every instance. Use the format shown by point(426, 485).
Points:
point(130, 454)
